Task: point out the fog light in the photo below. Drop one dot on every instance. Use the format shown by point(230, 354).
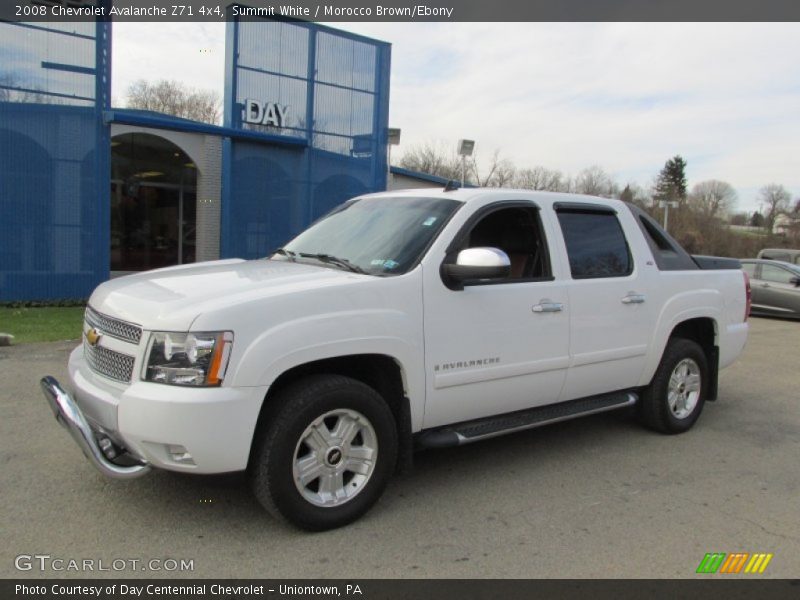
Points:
point(108, 448)
point(179, 454)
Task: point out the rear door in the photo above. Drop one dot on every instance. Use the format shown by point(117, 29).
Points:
point(612, 300)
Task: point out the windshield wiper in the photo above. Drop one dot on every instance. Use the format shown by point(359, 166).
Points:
point(292, 256)
point(334, 260)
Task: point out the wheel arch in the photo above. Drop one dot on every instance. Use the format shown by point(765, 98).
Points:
point(704, 330)
point(381, 372)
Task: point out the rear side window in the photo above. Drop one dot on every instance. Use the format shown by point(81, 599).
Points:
point(596, 245)
point(658, 239)
point(667, 252)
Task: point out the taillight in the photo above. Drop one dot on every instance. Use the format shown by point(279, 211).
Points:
point(748, 295)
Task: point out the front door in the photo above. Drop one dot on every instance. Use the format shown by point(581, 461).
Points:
point(503, 346)
point(774, 291)
point(152, 226)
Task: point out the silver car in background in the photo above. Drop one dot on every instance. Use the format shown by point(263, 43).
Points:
point(776, 287)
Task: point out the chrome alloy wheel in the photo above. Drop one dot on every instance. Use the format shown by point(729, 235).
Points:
point(335, 457)
point(684, 387)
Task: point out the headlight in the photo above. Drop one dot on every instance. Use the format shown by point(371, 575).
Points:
point(198, 359)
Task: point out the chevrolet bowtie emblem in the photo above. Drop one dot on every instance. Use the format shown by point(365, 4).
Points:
point(93, 336)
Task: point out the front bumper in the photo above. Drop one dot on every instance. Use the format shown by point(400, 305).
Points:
point(187, 429)
point(69, 415)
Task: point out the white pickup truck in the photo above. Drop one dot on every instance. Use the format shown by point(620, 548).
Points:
point(400, 320)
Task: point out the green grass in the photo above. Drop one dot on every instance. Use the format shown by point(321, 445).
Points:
point(46, 324)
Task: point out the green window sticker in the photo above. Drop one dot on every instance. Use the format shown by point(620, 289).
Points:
point(429, 221)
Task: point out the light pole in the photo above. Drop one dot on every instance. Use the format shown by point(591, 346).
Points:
point(666, 205)
point(393, 139)
point(465, 148)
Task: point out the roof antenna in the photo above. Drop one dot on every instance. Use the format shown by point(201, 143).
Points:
point(451, 186)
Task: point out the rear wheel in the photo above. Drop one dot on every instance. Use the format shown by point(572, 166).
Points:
point(326, 453)
point(674, 399)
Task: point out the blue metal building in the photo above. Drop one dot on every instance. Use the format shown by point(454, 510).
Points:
point(86, 189)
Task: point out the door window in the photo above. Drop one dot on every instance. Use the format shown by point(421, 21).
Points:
point(596, 245)
point(776, 274)
point(517, 232)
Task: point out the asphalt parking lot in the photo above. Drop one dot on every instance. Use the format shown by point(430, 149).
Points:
point(596, 497)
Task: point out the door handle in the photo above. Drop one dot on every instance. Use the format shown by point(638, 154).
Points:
point(633, 298)
point(764, 285)
point(547, 306)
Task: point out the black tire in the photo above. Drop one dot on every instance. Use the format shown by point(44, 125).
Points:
point(654, 405)
point(292, 413)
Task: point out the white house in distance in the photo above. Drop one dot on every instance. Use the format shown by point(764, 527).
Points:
point(786, 223)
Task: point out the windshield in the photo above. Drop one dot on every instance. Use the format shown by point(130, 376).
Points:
point(379, 236)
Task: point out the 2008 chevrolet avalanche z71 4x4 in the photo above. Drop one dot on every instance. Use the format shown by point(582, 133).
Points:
point(404, 319)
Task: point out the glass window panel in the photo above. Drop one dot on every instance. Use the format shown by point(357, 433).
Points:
point(274, 46)
point(38, 66)
point(596, 245)
point(776, 274)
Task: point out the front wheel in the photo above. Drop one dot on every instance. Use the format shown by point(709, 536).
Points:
point(326, 454)
point(674, 399)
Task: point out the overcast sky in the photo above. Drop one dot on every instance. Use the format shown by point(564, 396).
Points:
point(565, 96)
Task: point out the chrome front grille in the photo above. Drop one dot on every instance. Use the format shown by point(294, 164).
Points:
point(121, 330)
point(109, 363)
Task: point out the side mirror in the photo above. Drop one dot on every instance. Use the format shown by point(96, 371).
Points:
point(795, 281)
point(476, 264)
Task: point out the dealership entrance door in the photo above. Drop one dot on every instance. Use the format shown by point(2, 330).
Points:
point(153, 203)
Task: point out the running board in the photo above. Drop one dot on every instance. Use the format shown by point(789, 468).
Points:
point(489, 427)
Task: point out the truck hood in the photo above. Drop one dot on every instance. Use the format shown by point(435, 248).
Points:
point(172, 298)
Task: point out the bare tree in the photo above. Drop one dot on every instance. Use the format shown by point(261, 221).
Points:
point(775, 199)
point(10, 91)
point(433, 158)
point(540, 178)
point(206, 106)
point(438, 158)
point(174, 98)
point(503, 172)
point(713, 198)
point(594, 181)
point(488, 172)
